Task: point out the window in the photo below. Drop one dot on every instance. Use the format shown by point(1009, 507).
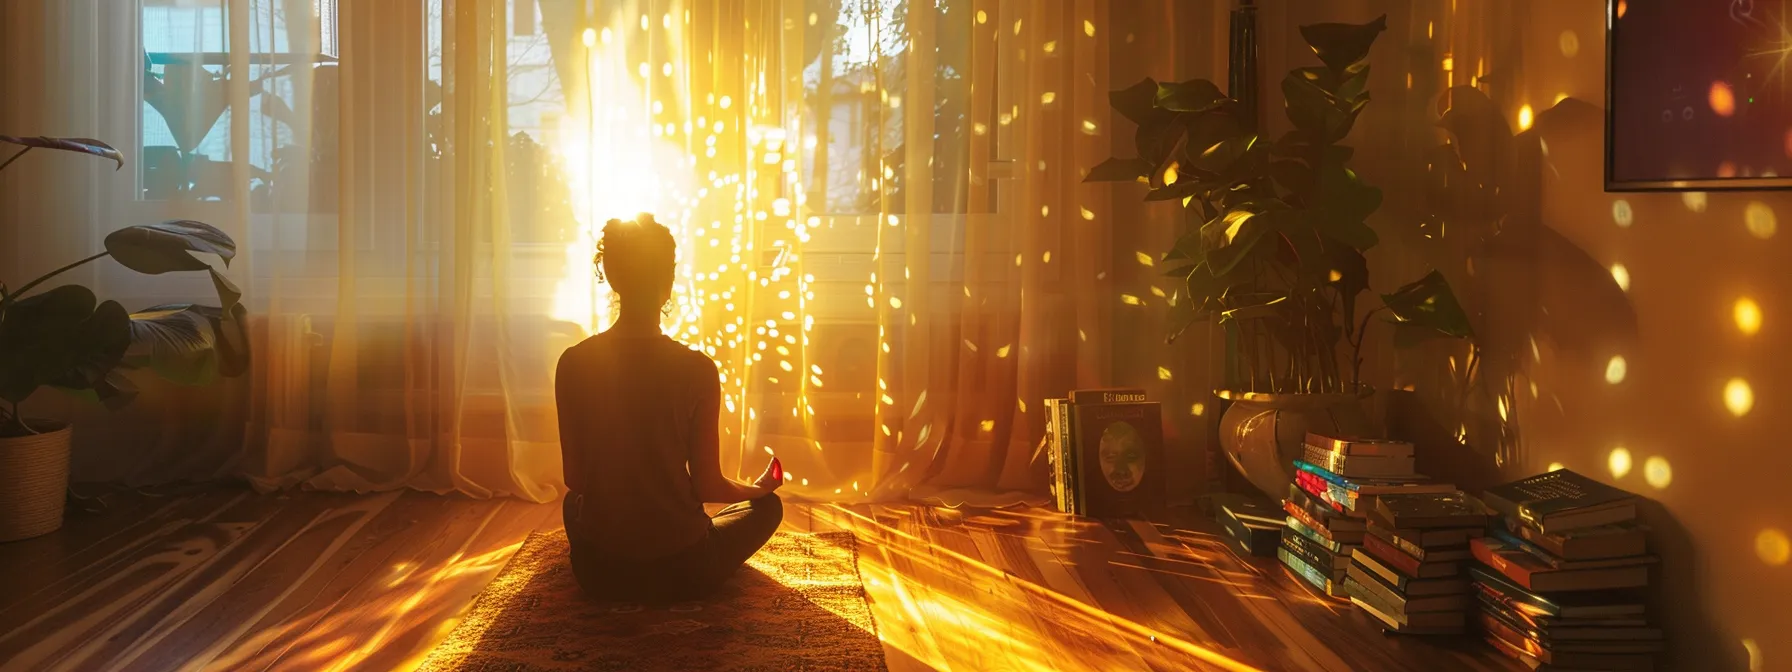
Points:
point(185, 145)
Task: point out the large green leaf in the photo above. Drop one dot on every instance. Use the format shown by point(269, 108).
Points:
point(1195, 95)
point(187, 344)
point(1428, 303)
point(1157, 137)
point(168, 246)
point(61, 337)
point(1137, 102)
point(1179, 190)
point(1119, 170)
point(1309, 107)
point(79, 145)
point(1343, 46)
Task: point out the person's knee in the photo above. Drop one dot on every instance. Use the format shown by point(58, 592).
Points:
point(769, 508)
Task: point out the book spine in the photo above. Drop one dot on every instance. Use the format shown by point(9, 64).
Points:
point(1316, 470)
point(1554, 544)
point(1306, 572)
point(1051, 453)
point(1318, 489)
point(1513, 571)
point(1072, 457)
point(1405, 545)
point(1529, 548)
point(1314, 536)
point(1305, 518)
point(1309, 551)
point(1390, 556)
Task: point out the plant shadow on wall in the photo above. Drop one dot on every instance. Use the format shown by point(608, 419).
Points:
point(64, 337)
point(1523, 283)
point(1278, 255)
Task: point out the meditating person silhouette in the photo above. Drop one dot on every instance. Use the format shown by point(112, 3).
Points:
point(638, 415)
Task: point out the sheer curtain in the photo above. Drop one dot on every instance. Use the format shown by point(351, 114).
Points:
point(884, 239)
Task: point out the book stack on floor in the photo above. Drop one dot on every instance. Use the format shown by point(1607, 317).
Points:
point(1106, 451)
point(1562, 573)
point(1410, 572)
point(1252, 526)
point(1335, 485)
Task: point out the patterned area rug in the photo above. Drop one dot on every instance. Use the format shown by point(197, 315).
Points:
point(797, 605)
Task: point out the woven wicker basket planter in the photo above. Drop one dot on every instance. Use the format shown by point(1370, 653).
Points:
point(33, 481)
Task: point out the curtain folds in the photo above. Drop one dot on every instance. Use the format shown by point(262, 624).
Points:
point(883, 236)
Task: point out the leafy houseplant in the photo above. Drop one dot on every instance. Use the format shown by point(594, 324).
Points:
point(1278, 258)
point(65, 337)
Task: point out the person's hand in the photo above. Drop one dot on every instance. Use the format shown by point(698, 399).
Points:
point(772, 477)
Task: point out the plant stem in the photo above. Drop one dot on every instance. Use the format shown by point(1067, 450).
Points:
point(51, 274)
point(1356, 348)
point(15, 157)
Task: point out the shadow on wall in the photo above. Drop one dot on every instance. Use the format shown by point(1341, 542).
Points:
point(1673, 411)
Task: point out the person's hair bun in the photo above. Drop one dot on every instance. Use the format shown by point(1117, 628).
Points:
point(632, 254)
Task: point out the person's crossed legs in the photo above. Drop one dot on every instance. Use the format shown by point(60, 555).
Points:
point(739, 531)
point(735, 534)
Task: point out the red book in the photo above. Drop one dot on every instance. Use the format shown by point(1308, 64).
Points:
point(1537, 576)
point(1392, 557)
point(1316, 486)
point(1404, 563)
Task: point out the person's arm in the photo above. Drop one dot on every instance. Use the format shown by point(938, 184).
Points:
point(568, 402)
point(706, 466)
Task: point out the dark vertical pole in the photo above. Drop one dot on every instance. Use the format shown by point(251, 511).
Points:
point(1241, 66)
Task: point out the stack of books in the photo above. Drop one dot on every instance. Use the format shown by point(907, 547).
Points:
point(1335, 486)
point(1410, 573)
point(1561, 575)
point(1106, 451)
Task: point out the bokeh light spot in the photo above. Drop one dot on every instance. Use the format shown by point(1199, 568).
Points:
point(1773, 547)
point(1616, 369)
point(1618, 462)
point(1658, 472)
point(1738, 397)
point(1721, 98)
point(1197, 409)
point(1622, 5)
point(1748, 316)
point(1525, 117)
point(1621, 213)
point(1695, 201)
point(1760, 220)
point(1569, 43)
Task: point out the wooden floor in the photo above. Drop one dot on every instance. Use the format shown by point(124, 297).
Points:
point(223, 578)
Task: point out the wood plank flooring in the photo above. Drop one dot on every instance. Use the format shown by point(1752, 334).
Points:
point(222, 578)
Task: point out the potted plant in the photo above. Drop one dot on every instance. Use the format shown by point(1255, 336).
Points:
point(1278, 255)
point(64, 337)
